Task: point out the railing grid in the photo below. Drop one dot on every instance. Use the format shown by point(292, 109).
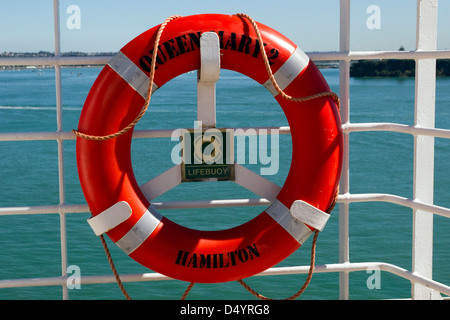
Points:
point(423, 132)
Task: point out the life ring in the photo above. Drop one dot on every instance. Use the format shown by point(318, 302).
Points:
point(107, 177)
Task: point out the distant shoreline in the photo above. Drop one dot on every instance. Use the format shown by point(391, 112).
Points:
point(33, 67)
point(320, 64)
point(393, 68)
point(47, 54)
point(52, 54)
point(358, 69)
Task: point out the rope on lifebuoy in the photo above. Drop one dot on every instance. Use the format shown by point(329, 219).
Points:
point(307, 280)
point(147, 100)
point(114, 270)
point(272, 77)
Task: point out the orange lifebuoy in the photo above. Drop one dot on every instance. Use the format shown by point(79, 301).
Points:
point(107, 177)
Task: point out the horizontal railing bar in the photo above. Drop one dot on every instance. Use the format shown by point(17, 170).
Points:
point(54, 61)
point(396, 127)
point(32, 282)
point(361, 266)
point(152, 133)
point(153, 276)
point(317, 56)
point(166, 133)
point(36, 136)
point(50, 209)
point(210, 203)
point(402, 201)
point(344, 198)
point(372, 55)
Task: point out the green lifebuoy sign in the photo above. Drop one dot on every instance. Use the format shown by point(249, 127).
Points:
point(207, 155)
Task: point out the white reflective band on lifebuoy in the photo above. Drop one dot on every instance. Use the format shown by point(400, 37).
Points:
point(110, 218)
point(140, 231)
point(309, 214)
point(134, 76)
point(288, 71)
point(281, 214)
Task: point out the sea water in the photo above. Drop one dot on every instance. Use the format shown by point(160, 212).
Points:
point(379, 162)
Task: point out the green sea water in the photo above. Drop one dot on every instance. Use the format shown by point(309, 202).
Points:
point(379, 162)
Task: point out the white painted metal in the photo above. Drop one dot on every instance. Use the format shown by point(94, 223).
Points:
point(343, 198)
point(316, 56)
point(344, 185)
point(426, 38)
point(162, 183)
point(256, 183)
point(396, 127)
point(59, 123)
point(166, 133)
point(401, 201)
point(348, 267)
point(208, 75)
point(421, 203)
point(363, 55)
point(55, 61)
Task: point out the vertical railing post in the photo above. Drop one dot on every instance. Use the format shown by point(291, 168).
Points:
point(59, 121)
point(426, 39)
point(344, 186)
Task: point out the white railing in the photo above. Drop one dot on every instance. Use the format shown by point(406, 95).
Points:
point(423, 132)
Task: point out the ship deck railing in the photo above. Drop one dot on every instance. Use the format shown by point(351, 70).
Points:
point(423, 131)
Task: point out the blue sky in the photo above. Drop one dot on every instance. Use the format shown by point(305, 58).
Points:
point(107, 25)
